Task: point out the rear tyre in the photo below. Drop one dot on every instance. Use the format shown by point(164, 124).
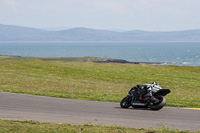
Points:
point(126, 102)
point(160, 104)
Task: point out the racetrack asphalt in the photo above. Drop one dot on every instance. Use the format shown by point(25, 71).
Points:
point(58, 110)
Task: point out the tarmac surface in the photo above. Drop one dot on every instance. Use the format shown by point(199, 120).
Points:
point(58, 110)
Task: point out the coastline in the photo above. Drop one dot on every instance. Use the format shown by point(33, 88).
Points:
point(178, 54)
point(79, 59)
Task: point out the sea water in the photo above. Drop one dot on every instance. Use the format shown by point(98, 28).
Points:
point(174, 53)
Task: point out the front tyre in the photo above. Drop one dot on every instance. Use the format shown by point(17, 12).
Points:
point(126, 102)
point(160, 104)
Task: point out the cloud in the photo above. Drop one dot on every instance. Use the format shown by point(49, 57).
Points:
point(112, 6)
point(10, 3)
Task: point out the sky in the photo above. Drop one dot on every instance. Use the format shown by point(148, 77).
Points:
point(124, 15)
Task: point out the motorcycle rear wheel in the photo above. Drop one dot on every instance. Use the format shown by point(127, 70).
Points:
point(160, 104)
point(126, 102)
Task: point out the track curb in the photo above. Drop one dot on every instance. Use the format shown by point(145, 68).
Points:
point(193, 108)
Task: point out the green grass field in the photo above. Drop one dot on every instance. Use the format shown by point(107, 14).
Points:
point(37, 127)
point(97, 81)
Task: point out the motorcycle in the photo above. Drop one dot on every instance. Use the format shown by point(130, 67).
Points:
point(146, 95)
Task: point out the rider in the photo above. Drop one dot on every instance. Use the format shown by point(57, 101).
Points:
point(147, 89)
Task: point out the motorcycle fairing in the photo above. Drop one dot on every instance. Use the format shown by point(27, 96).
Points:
point(162, 92)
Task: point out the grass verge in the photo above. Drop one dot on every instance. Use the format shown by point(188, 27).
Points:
point(7, 126)
point(98, 81)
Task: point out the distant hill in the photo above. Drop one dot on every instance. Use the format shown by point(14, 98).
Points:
point(18, 34)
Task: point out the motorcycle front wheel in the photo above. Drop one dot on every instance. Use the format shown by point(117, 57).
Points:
point(126, 102)
point(160, 104)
